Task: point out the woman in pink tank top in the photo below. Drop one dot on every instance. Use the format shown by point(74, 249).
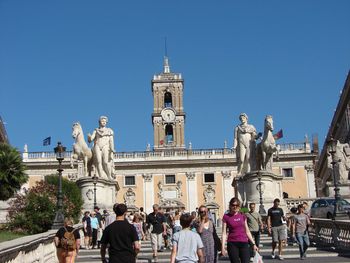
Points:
point(239, 237)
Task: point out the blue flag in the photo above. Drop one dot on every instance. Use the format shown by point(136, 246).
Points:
point(47, 141)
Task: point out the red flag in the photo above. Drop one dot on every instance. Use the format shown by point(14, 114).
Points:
point(161, 142)
point(278, 135)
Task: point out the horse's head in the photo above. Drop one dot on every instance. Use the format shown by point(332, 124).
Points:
point(269, 123)
point(76, 130)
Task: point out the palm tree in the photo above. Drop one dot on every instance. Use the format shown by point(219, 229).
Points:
point(12, 174)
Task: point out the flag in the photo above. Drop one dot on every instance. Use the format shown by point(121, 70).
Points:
point(47, 141)
point(161, 142)
point(278, 135)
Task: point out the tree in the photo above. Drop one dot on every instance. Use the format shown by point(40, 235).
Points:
point(35, 211)
point(12, 171)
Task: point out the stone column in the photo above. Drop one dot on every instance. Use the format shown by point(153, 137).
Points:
point(226, 188)
point(310, 181)
point(148, 193)
point(192, 198)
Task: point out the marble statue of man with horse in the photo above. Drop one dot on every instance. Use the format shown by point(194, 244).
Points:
point(252, 156)
point(98, 160)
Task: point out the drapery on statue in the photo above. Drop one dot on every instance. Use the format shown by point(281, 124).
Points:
point(81, 151)
point(342, 167)
point(244, 144)
point(103, 149)
point(267, 147)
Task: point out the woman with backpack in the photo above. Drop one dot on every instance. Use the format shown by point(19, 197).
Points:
point(67, 242)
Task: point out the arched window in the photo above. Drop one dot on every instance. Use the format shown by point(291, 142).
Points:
point(168, 101)
point(169, 135)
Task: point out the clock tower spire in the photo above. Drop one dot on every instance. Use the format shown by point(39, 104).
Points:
point(168, 117)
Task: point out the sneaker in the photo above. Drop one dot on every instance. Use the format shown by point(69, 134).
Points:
point(251, 259)
point(155, 259)
point(273, 255)
point(280, 258)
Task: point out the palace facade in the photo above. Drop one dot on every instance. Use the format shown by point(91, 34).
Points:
point(176, 176)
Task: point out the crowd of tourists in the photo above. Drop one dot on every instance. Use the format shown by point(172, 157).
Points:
point(191, 237)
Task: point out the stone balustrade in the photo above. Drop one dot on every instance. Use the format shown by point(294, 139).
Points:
point(193, 153)
point(294, 202)
point(330, 234)
point(38, 248)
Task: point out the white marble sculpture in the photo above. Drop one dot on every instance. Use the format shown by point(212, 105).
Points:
point(81, 151)
point(129, 198)
point(103, 149)
point(342, 166)
point(244, 144)
point(267, 147)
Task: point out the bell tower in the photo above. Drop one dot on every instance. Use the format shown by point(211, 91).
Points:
point(168, 117)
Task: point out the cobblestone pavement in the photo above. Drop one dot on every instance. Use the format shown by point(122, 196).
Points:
point(291, 254)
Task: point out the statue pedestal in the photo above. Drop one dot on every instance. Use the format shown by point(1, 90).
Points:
point(248, 188)
point(344, 190)
point(106, 193)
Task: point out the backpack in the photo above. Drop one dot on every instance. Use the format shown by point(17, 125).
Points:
point(68, 240)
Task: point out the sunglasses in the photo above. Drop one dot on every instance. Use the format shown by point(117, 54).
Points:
point(234, 205)
point(202, 212)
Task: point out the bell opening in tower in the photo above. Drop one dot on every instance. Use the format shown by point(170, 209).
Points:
point(168, 101)
point(169, 135)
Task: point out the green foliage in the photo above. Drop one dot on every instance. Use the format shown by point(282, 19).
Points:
point(34, 212)
point(72, 192)
point(7, 235)
point(244, 210)
point(12, 171)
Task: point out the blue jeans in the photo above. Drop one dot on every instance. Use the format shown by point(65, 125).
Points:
point(303, 241)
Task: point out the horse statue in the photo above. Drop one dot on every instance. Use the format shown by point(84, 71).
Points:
point(81, 151)
point(267, 146)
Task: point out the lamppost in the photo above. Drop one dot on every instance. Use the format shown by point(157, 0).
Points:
point(332, 149)
point(95, 182)
point(260, 187)
point(59, 217)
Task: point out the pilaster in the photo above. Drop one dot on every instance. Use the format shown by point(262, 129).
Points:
point(310, 180)
point(226, 188)
point(192, 195)
point(148, 192)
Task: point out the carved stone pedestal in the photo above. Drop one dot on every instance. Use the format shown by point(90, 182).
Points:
point(248, 188)
point(106, 193)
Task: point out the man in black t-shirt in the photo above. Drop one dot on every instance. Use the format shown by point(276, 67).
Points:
point(122, 239)
point(157, 220)
point(276, 227)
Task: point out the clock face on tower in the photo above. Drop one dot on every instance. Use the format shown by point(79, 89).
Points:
point(168, 115)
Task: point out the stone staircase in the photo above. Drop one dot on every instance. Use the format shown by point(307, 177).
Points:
point(291, 254)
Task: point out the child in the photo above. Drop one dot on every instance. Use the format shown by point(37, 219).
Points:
point(187, 245)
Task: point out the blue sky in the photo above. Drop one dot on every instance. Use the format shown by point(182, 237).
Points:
point(67, 61)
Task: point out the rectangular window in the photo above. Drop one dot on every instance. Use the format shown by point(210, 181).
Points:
point(130, 180)
point(287, 172)
point(170, 179)
point(209, 178)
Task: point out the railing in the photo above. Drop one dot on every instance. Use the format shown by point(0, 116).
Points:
point(330, 234)
point(294, 147)
point(30, 249)
point(39, 248)
point(207, 153)
point(294, 202)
